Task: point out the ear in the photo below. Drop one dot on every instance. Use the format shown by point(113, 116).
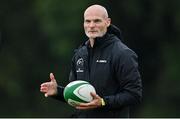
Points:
point(108, 21)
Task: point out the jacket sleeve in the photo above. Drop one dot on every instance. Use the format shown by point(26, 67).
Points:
point(72, 75)
point(59, 95)
point(128, 76)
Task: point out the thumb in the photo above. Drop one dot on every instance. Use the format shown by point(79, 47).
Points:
point(52, 78)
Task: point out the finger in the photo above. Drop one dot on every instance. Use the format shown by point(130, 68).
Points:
point(95, 96)
point(45, 84)
point(83, 104)
point(52, 77)
point(92, 103)
point(86, 107)
point(82, 108)
point(43, 89)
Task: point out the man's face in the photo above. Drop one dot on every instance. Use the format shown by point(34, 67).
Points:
point(95, 24)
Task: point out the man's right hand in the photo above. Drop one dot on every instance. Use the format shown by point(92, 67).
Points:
point(49, 88)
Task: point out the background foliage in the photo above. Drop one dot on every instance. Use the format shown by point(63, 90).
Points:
point(38, 37)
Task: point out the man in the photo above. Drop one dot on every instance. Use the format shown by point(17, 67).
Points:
point(108, 64)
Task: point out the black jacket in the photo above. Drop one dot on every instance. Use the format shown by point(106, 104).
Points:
point(112, 68)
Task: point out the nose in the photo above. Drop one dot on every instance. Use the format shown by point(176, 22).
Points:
point(92, 24)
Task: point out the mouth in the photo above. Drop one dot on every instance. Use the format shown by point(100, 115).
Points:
point(92, 31)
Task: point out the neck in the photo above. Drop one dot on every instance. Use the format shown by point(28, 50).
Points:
point(91, 42)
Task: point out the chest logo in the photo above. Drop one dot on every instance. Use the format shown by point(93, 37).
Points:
point(101, 61)
point(80, 62)
point(79, 70)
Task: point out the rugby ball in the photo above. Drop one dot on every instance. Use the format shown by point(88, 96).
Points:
point(78, 92)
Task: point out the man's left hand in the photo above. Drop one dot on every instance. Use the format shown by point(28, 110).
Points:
point(95, 103)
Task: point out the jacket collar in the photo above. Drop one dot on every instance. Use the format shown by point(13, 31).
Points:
point(111, 31)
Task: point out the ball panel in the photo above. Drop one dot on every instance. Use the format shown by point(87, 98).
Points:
point(68, 91)
point(78, 92)
point(76, 82)
point(73, 102)
point(83, 92)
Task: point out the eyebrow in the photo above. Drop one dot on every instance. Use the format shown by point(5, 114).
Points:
point(96, 20)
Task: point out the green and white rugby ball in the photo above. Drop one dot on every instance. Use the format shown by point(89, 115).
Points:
point(78, 92)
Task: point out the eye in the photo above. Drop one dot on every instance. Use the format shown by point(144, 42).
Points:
point(97, 21)
point(87, 21)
